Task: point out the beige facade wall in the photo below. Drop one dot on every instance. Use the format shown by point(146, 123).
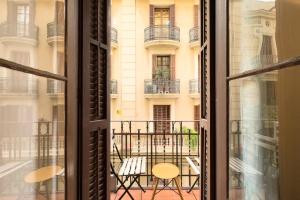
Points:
point(131, 34)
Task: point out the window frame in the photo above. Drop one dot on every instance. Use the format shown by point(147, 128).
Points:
point(71, 102)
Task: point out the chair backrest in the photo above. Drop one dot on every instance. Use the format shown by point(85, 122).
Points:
point(116, 148)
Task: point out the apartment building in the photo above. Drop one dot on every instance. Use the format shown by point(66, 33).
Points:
point(155, 60)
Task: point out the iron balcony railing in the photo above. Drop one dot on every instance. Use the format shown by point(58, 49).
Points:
point(162, 86)
point(162, 33)
point(114, 35)
point(264, 60)
point(55, 29)
point(19, 30)
point(160, 142)
point(55, 86)
point(114, 87)
point(194, 34)
point(23, 85)
point(194, 86)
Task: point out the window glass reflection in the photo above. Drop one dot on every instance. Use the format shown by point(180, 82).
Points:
point(32, 137)
point(34, 30)
point(263, 136)
point(262, 33)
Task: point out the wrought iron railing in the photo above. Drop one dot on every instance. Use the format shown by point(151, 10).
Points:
point(194, 86)
point(162, 33)
point(162, 86)
point(114, 35)
point(55, 29)
point(178, 139)
point(55, 86)
point(264, 60)
point(113, 87)
point(19, 30)
point(194, 34)
point(25, 85)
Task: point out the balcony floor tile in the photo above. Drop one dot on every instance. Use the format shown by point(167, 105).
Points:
point(163, 195)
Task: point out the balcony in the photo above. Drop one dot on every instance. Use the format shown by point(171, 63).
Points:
point(162, 88)
point(55, 33)
point(114, 38)
point(113, 89)
point(55, 88)
point(194, 37)
point(194, 88)
point(27, 34)
point(168, 36)
point(24, 86)
point(158, 141)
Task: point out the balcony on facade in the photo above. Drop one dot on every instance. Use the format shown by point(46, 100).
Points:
point(113, 89)
point(114, 38)
point(194, 37)
point(55, 33)
point(161, 88)
point(26, 86)
point(55, 88)
point(194, 88)
point(28, 34)
point(159, 141)
point(162, 36)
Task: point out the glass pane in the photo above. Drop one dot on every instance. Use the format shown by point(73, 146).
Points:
point(264, 141)
point(32, 33)
point(262, 32)
point(32, 137)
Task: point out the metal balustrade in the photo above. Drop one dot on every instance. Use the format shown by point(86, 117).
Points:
point(19, 30)
point(114, 35)
point(194, 86)
point(162, 33)
point(26, 85)
point(194, 34)
point(161, 86)
point(55, 29)
point(142, 138)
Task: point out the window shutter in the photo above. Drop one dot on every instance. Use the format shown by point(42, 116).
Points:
point(59, 12)
point(151, 14)
point(154, 66)
point(173, 68)
point(207, 127)
point(196, 15)
point(31, 13)
point(95, 139)
point(172, 15)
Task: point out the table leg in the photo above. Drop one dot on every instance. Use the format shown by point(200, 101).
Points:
point(155, 188)
point(178, 187)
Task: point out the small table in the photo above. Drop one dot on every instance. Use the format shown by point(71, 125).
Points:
point(166, 171)
point(43, 174)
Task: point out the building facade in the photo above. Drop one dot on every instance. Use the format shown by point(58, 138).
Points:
point(155, 60)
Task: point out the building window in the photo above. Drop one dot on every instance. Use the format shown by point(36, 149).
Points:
point(266, 52)
point(162, 117)
point(162, 68)
point(161, 16)
point(23, 20)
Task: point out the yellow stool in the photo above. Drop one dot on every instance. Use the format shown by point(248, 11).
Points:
point(166, 171)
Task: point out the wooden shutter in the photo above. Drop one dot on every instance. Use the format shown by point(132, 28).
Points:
point(154, 66)
point(173, 68)
point(151, 14)
point(11, 12)
point(196, 116)
point(172, 15)
point(196, 15)
point(60, 12)
point(95, 136)
point(162, 114)
point(207, 105)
